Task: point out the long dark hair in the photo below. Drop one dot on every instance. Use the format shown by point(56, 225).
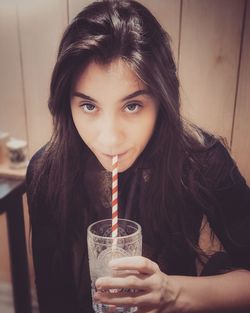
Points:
point(103, 32)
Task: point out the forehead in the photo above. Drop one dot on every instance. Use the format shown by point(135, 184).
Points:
point(116, 75)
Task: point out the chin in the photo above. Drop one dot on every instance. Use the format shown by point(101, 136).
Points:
point(124, 167)
point(107, 168)
point(121, 168)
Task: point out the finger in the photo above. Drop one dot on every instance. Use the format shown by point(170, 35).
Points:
point(123, 299)
point(138, 263)
point(146, 310)
point(138, 281)
point(111, 309)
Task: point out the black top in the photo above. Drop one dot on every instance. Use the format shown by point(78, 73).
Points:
point(68, 290)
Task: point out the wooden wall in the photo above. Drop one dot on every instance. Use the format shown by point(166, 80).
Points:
point(211, 44)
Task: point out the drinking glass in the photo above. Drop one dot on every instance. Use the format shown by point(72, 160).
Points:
point(102, 247)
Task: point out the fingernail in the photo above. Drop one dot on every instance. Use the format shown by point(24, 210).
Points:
point(99, 282)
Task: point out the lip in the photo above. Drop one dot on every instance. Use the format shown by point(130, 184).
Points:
point(111, 156)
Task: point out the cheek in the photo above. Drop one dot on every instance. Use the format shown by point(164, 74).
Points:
point(82, 127)
point(142, 132)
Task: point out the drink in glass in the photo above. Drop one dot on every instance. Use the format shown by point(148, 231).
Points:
point(102, 247)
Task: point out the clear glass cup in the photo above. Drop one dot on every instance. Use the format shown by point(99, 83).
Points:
point(102, 248)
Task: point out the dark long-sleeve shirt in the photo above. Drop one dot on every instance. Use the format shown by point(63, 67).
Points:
point(67, 290)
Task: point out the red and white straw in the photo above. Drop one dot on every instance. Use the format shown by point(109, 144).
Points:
point(115, 196)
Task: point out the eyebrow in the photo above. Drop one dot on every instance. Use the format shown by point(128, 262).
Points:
point(130, 96)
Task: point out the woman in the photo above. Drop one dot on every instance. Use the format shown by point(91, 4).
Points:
point(115, 90)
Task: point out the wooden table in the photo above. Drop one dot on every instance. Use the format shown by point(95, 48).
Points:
point(11, 191)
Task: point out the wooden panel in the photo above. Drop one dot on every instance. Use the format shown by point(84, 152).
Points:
point(241, 131)
point(75, 6)
point(42, 23)
point(168, 15)
point(5, 275)
point(167, 12)
point(12, 111)
point(209, 58)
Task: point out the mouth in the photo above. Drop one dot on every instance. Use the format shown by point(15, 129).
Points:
point(120, 155)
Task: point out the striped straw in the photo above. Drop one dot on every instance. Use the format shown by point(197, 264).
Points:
point(114, 196)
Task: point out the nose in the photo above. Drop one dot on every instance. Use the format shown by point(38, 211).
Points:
point(111, 135)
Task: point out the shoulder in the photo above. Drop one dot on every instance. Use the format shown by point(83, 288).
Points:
point(34, 163)
point(225, 170)
point(36, 181)
point(218, 167)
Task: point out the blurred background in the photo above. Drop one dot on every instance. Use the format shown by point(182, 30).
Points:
point(211, 44)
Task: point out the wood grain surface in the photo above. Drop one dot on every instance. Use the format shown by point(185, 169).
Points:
point(241, 127)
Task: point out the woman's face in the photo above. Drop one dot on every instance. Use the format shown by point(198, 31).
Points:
point(113, 112)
